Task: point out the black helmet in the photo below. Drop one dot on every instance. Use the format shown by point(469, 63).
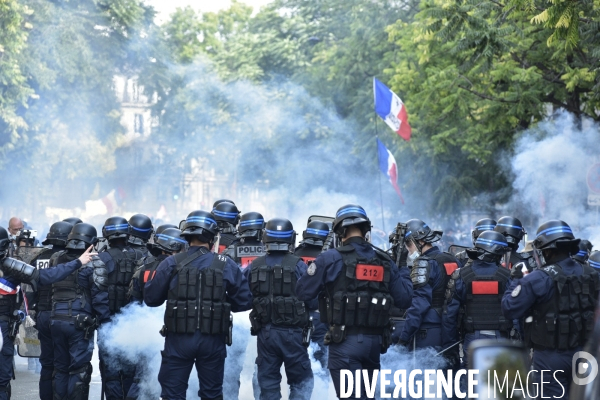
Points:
point(163, 227)
point(251, 225)
point(140, 227)
point(555, 234)
point(484, 224)
point(585, 247)
point(512, 229)
point(82, 236)
point(199, 223)
point(115, 227)
point(351, 214)
point(73, 220)
point(316, 233)
point(492, 242)
point(226, 213)
point(279, 235)
point(418, 230)
point(4, 241)
point(216, 203)
point(594, 259)
point(169, 240)
point(59, 231)
point(151, 243)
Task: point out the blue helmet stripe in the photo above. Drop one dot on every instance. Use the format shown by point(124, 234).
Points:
point(141, 229)
point(167, 237)
point(224, 214)
point(490, 242)
point(594, 264)
point(510, 226)
point(317, 232)
point(350, 210)
point(115, 227)
point(581, 253)
point(201, 219)
point(407, 234)
point(252, 222)
point(554, 230)
point(279, 234)
point(485, 227)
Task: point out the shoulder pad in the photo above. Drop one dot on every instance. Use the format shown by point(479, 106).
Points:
point(419, 274)
point(381, 253)
point(100, 274)
point(55, 256)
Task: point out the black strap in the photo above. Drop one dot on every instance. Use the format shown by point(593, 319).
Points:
point(182, 260)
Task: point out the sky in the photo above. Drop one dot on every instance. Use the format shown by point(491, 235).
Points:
point(165, 7)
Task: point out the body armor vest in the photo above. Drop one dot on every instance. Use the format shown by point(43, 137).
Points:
point(44, 293)
point(245, 253)
point(483, 309)
point(68, 290)
point(274, 294)
point(448, 264)
point(567, 320)
point(308, 253)
point(199, 300)
point(119, 279)
point(145, 273)
point(8, 304)
point(360, 295)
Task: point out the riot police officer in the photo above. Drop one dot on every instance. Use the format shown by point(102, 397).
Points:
point(357, 284)
point(227, 216)
point(557, 302)
point(278, 318)
point(249, 246)
point(594, 260)
point(513, 231)
point(140, 230)
point(201, 289)
point(13, 272)
point(79, 306)
point(431, 270)
point(313, 240)
point(120, 260)
point(474, 293)
point(484, 224)
point(57, 238)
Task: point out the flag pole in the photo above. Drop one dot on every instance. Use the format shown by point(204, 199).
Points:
point(379, 175)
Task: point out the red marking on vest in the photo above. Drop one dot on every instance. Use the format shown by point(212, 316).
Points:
point(479, 287)
point(246, 261)
point(308, 259)
point(147, 276)
point(365, 272)
point(450, 268)
point(222, 248)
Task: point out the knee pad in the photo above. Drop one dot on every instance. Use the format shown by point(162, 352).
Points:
point(84, 373)
point(82, 388)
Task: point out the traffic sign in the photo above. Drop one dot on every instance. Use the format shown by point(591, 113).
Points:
point(593, 179)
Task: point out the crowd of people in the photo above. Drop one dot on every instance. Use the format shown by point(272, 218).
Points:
point(335, 289)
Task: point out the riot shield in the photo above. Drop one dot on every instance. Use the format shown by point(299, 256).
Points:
point(30, 344)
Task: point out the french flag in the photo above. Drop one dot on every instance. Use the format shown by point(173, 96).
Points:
point(7, 287)
point(391, 109)
point(388, 166)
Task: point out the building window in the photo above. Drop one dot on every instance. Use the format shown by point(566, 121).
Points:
point(138, 124)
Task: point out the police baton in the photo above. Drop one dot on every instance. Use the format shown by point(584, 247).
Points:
point(448, 348)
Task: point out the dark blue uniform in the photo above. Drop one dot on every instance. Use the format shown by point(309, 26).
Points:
point(422, 319)
point(278, 345)
point(183, 350)
point(537, 288)
point(72, 350)
point(357, 351)
point(46, 277)
point(480, 268)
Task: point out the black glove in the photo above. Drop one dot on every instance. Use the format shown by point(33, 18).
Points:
point(517, 271)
